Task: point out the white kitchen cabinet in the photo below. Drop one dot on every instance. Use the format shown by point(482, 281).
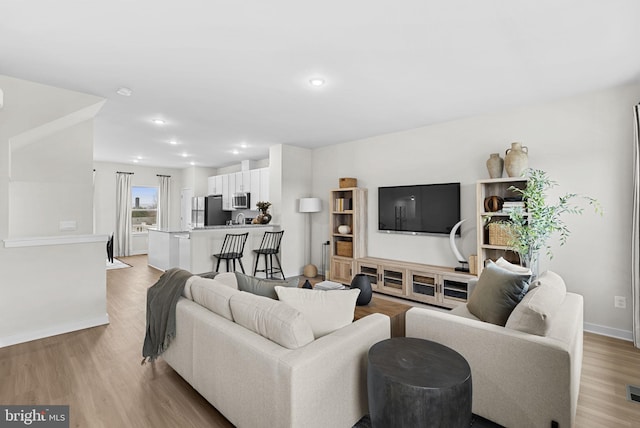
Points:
point(226, 195)
point(254, 177)
point(243, 181)
point(218, 184)
point(211, 185)
point(264, 185)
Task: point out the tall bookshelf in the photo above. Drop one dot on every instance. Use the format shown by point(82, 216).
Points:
point(348, 207)
point(486, 188)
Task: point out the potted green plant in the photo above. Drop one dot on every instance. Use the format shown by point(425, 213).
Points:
point(529, 229)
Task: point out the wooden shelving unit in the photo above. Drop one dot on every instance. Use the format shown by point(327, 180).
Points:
point(493, 187)
point(348, 207)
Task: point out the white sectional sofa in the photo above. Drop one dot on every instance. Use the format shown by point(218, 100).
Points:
point(525, 374)
point(279, 376)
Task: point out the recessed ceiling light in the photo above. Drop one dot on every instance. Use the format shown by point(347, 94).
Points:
point(184, 155)
point(316, 81)
point(139, 157)
point(243, 146)
point(173, 142)
point(158, 121)
point(192, 163)
point(235, 152)
point(135, 161)
point(125, 92)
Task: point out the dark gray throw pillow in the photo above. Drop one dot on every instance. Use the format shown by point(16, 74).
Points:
point(261, 286)
point(497, 293)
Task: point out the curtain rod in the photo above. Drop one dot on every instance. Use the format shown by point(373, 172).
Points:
point(121, 172)
point(160, 175)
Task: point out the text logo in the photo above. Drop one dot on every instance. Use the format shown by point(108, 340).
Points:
point(34, 416)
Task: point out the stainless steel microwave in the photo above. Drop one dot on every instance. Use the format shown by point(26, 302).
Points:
point(241, 200)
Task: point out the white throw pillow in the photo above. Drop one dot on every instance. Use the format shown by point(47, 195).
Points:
point(326, 311)
point(512, 268)
point(213, 295)
point(533, 314)
point(271, 319)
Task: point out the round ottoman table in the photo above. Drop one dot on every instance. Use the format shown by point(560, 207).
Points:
point(417, 383)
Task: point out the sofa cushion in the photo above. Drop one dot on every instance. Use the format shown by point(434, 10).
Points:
point(262, 286)
point(271, 319)
point(228, 279)
point(498, 291)
point(533, 314)
point(325, 310)
point(213, 295)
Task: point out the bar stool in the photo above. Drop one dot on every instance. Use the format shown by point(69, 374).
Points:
point(269, 248)
point(232, 250)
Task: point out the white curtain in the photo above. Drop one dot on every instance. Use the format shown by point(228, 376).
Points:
point(635, 249)
point(122, 237)
point(163, 201)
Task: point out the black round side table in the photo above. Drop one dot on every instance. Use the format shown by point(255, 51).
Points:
point(417, 383)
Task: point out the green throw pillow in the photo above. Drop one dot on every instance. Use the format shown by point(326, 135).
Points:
point(261, 286)
point(498, 291)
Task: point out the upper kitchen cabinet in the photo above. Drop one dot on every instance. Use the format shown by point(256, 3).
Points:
point(254, 182)
point(243, 182)
point(214, 185)
point(259, 186)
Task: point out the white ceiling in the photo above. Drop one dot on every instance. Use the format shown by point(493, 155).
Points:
point(222, 73)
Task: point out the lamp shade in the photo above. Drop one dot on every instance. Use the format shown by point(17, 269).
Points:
point(310, 205)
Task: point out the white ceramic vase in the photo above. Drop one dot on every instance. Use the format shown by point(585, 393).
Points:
point(495, 165)
point(516, 160)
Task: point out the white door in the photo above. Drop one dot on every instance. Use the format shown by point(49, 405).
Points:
point(185, 210)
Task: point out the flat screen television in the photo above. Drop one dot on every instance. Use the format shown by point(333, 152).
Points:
point(425, 208)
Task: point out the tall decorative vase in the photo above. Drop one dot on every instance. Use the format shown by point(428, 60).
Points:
point(516, 160)
point(494, 165)
point(530, 260)
point(362, 282)
point(266, 217)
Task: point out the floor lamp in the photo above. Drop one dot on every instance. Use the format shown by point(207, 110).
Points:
point(309, 205)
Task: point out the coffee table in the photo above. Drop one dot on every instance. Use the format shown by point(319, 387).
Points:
point(418, 383)
point(395, 311)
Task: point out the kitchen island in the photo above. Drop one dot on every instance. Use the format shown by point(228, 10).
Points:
point(193, 250)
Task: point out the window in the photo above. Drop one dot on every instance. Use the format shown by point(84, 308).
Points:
point(144, 208)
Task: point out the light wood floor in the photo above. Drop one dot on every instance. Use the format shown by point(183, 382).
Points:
point(98, 373)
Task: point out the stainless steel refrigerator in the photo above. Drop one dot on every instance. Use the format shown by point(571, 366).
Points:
point(213, 213)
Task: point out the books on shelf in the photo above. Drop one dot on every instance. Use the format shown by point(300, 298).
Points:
point(508, 206)
point(343, 204)
point(329, 285)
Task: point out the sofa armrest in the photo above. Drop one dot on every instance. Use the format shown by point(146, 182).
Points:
point(329, 376)
point(518, 379)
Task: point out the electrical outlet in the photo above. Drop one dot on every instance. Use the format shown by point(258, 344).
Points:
point(620, 302)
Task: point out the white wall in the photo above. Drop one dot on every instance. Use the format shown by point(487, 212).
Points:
point(105, 196)
point(290, 180)
point(51, 182)
point(584, 143)
point(47, 289)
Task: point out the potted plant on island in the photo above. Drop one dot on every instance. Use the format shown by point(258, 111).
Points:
point(529, 229)
point(264, 217)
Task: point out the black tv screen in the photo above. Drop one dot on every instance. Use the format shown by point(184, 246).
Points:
point(426, 208)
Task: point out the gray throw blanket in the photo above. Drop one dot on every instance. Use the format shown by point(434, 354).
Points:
point(162, 298)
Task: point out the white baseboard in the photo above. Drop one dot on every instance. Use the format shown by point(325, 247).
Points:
point(609, 331)
point(53, 331)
